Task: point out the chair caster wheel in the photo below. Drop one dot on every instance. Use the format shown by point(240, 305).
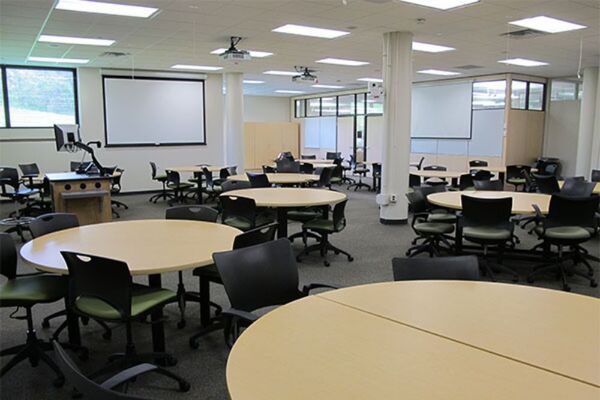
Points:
point(194, 344)
point(45, 324)
point(181, 324)
point(184, 387)
point(407, 254)
point(350, 258)
point(107, 335)
point(59, 382)
point(593, 284)
point(326, 263)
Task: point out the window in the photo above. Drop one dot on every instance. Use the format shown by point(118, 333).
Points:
point(360, 103)
point(300, 109)
point(518, 95)
point(489, 95)
point(346, 105)
point(535, 98)
point(328, 106)
point(313, 107)
point(40, 97)
point(563, 90)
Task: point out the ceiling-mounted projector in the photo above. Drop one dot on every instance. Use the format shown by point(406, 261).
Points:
point(306, 75)
point(233, 54)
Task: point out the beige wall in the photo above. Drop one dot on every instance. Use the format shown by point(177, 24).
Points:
point(264, 140)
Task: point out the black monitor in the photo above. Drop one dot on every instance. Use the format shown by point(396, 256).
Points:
point(66, 136)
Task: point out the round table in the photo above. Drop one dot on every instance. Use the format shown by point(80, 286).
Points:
point(522, 202)
point(197, 170)
point(281, 178)
point(422, 340)
point(285, 198)
point(149, 247)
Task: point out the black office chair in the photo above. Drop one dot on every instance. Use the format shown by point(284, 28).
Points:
point(286, 165)
point(19, 219)
point(481, 175)
point(547, 184)
point(308, 157)
point(306, 168)
point(27, 291)
point(256, 277)
point(496, 185)
point(210, 273)
point(258, 180)
point(212, 189)
point(325, 227)
point(242, 213)
point(418, 165)
point(487, 222)
point(285, 155)
point(325, 175)
point(435, 181)
point(162, 178)
point(577, 187)
point(337, 175)
point(190, 213)
point(414, 181)
point(360, 169)
point(332, 155)
point(376, 177)
point(223, 175)
point(102, 288)
point(436, 214)
point(477, 163)
point(465, 182)
point(460, 268)
point(267, 169)
point(115, 188)
point(515, 175)
point(595, 175)
point(230, 185)
point(29, 172)
point(178, 188)
point(433, 233)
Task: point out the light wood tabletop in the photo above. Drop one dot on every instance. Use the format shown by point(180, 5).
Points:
point(289, 197)
point(522, 202)
point(438, 174)
point(147, 246)
point(548, 329)
point(196, 168)
point(314, 348)
point(317, 161)
point(280, 178)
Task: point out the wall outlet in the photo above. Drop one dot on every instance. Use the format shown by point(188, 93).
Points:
point(393, 198)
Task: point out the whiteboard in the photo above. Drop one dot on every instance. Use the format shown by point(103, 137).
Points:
point(488, 133)
point(153, 111)
point(320, 133)
point(442, 111)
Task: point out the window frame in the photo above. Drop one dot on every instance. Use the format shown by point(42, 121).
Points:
point(4, 88)
point(527, 88)
point(306, 107)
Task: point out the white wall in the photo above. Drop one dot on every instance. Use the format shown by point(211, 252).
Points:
point(266, 109)
point(135, 160)
point(561, 134)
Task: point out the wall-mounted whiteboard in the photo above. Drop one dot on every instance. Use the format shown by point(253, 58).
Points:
point(153, 111)
point(441, 111)
point(320, 133)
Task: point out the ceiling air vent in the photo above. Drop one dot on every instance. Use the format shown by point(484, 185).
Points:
point(114, 54)
point(523, 34)
point(468, 67)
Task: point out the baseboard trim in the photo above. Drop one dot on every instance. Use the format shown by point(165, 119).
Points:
point(393, 221)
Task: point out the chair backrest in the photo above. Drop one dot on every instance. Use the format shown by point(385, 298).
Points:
point(434, 168)
point(481, 175)
point(339, 216)
point(576, 187)
point(87, 387)
point(259, 276)
point(420, 163)
point(238, 207)
point(461, 268)
point(376, 169)
point(232, 170)
point(547, 184)
point(267, 169)
point(306, 168)
point(154, 169)
point(478, 163)
point(285, 165)
point(516, 171)
point(338, 161)
point(572, 211)
point(224, 173)
point(9, 176)
point(8, 256)
point(530, 185)
point(308, 157)
point(258, 180)
point(285, 155)
point(116, 179)
point(496, 185)
point(256, 236)
point(465, 181)
point(208, 177)
point(595, 175)
point(52, 222)
point(414, 180)
point(193, 213)
point(173, 178)
point(337, 171)
point(418, 203)
point(230, 185)
point(99, 278)
point(332, 155)
point(486, 212)
point(29, 169)
point(427, 190)
point(325, 177)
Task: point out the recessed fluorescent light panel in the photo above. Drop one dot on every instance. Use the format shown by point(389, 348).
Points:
point(289, 91)
point(340, 61)
point(282, 73)
point(106, 8)
point(196, 67)
point(59, 60)
point(328, 86)
point(310, 31)
point(547, 24)
point(438, 72)
point(256, 54)
point(370, 80)
point(252, 82)
point(430, 48)
point(75, 40)
point(523, 62)
point(441, 4)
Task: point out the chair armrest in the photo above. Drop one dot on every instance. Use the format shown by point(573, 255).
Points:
point(239, 314)
point(538, 212)
point(307, 288)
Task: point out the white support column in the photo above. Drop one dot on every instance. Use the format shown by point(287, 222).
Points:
point(397, 78)
point(587, 117)
point(595, 156)
point(234, 120)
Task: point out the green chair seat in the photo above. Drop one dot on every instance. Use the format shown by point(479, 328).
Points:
point(181, 186)
point(433, 228)
point(160, 177)
point(486, 233)
point(245, 224)
point(565, 233)
point(336, 179)
point(442, 217)
point(143, 299)
point(516, 181)
point(35, 289)
point(322, 225)
point(304, 215)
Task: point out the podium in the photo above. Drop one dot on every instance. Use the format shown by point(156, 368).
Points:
point(87, 196)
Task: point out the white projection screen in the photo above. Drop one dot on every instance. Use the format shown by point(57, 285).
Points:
point(442, 111)
point(153, 111)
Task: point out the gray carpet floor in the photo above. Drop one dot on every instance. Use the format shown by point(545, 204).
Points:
point(372, 244)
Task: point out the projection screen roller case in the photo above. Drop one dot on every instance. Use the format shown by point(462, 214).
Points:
point(153, 111)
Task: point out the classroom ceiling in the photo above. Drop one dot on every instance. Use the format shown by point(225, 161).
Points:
point(186, 31)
